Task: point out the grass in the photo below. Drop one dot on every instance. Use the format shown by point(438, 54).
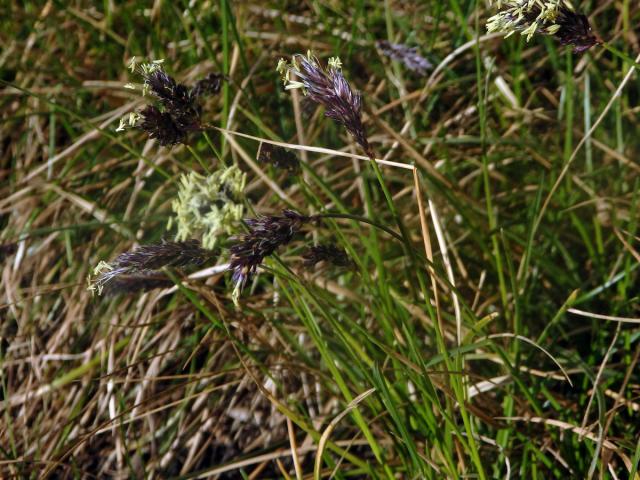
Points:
point(487, 329)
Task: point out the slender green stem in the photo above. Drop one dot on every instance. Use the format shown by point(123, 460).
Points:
point(225, 69)
point(198, 158)
point(214, 149)
point(360, 219)
point(621, 55)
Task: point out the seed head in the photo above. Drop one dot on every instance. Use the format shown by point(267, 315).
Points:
point(547, 17)
point(161, 126)
point(409, 56)
point(326, 253)
point(210, 205)
point(279, 157)
point(140, 269)
point(175, 98)
point(209, 85)
point(126, 283)
point(329, 88)
point(164, 254)
point(178, 110)
point(266, 234)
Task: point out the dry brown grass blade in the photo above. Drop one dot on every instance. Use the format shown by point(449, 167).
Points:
point(254, 166)
point(579, 431)
point(92, 209)
point(619, 399)
point(87, 137)
point(417, 156)
point(596, 382)
point(599, 316)
point(294, 449)
point(487, 385)
point(437, 226)
point(426, 239)
point(531, 342)
point(328, 151)
point(327, 431)
point(437, 74)
point(282, 453)
point(618, 396)
point(627, 245)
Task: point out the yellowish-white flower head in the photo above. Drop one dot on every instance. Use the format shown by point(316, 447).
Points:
point(210, 206)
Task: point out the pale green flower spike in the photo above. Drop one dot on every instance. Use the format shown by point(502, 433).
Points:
point(148, 68)
point(235, 295)
point(92, 286)
point(281, 68)
point(335, 63)
point(122, 125)
point(209, 206)
point(128, 121)
point(553, 29)
point(145, 69)
point(102, 267)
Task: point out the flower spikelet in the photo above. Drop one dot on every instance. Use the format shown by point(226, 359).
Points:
point(210, 205)
point(161, 126)
point(409, 56)
point(140, 269)
point(326, 253)
point(266, 234)
point(209, 85)
point(176, 111)
point(279, 157)
point(329, 88)
point(546, 17)
point(175, 98)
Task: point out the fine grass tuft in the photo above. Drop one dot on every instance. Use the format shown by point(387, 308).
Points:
point(462, 303)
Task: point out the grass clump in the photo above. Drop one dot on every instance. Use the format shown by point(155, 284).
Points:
point(458, 302)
